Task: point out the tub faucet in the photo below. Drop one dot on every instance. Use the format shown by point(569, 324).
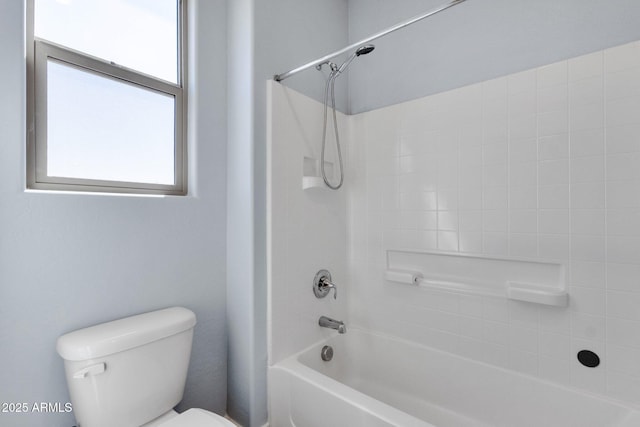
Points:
point(327, 322)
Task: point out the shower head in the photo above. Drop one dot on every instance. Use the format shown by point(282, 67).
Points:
point(362, 50)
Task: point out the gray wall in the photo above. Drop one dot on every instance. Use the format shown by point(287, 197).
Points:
point(266, 37)
point(475, 41)
point(72, 260)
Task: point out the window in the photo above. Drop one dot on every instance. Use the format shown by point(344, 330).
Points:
point(107, 107)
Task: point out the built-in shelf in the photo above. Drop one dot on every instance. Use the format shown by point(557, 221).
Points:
point(311, 175)
point(513, 278)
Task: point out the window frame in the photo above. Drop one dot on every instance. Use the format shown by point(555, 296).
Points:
point(39, 52)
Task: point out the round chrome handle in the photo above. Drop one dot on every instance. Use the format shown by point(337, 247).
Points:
point(322, 284)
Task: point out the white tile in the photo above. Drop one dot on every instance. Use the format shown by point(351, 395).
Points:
point(553, 197)
point(555, 319)
point(495, 175)
point(587, 326)
point(623, 166)
point(623, 250)
point(623, 277)
point(623, 332)
point(523, 197)
point(623, 304)
point(622, 57)
point(586, 91)
point(523, 174)
point(523, 221)
point(523, 339)
point(553, 221)
point(523, 126)
point(553, 246)
point(586, 66)
point(588, 142)
point(588, 116)
point(494, 198)
point(495, 309)
point(494, 220)
point(470, 220)
point(624, 111)
point(553, 172)
point(523, 314)
point(623, 359)
point(471, 305)
point(553, 98)
point(523, 245)
point(588, 274)
point(447, 199)
point(496, 332)
point(556, 346)
point(587, 300)
point(448, 220)
point(552, 123)
point(425, 201)
point(522, 104)
point(623, 222)
point(470, 198)
point(495, 152)
point(623, 139)
point(523, 151)
point(622, 84)
point(587, 169)
point(554, 147)
point(588, 221)
point(448, 240)
point(553, 74)
point(470, 242)
point(623, 194)
point(588, 248)
point(588, 195)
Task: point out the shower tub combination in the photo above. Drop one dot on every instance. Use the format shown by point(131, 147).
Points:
point(376, 380)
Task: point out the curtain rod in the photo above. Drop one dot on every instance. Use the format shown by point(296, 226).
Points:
point(280, 77)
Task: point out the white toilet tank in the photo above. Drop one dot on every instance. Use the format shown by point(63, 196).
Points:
point(130, 371)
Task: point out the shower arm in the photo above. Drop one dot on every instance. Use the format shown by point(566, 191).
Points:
point(324, 59)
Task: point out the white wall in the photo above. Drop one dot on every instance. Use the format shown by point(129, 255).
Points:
point(72, 260)
point(543, 164)
point(475, 41)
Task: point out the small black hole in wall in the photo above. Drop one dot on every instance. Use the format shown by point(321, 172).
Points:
point(588, 358)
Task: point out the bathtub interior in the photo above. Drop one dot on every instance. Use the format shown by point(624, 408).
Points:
point(448, 390)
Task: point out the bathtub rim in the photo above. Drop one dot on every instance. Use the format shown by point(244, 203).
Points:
point(293, 365)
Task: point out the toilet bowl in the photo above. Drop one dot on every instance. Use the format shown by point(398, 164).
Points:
point(131, 372)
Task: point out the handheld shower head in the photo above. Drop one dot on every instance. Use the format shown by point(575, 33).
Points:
point(362, 50)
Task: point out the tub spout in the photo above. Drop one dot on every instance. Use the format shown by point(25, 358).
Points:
point(327, 322)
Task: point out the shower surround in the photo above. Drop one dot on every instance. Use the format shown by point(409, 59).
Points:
point(539, 165)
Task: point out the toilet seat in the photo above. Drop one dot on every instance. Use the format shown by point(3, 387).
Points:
point(197, 418)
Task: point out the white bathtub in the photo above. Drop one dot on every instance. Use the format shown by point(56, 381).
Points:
point(376, 380)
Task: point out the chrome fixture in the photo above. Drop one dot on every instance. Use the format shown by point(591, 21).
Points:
point(322, 285)
point(335, 72)
point(327, 322)
point(326, 353)
point(325, 59)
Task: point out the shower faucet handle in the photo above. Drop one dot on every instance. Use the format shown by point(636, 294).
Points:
point(322, 285)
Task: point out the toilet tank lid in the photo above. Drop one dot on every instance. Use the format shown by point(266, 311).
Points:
point(123, 334)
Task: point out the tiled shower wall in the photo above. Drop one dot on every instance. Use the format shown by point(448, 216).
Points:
point(543, 164)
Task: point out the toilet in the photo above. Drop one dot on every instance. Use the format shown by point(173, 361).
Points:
point(131, 372)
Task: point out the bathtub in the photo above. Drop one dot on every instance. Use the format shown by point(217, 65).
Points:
point(376, 380)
